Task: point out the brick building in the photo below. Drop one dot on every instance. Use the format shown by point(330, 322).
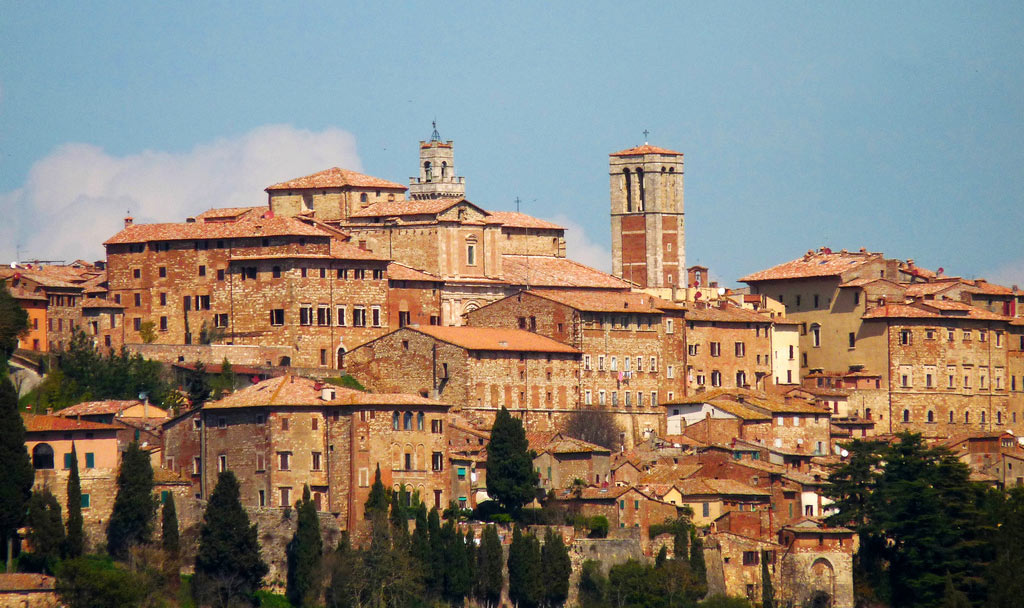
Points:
point(626, 508)
point(283, 434)
point(727, 346)
point(136, 420)
point(54, 305)
point(816, 564)
point(563, 460)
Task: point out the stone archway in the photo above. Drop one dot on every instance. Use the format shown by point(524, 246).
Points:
point(823, 583)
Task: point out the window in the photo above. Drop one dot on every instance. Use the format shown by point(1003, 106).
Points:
point(716, 378)
point(222, 463)
point(419, 421)
point(163, 323)
point(90, 460)
point(654, 398)
point(261, 498)
point(342, 313)
point(286, 497)
point(358, 317)
point(588, 397)
point(967, 335)
point(323, 316)
point(614, 365)
point(395, 421)
point(982, 336)
point(261, 463)
point(601, 398)
point(138, 299)
point(715, 349)
point(950, 334)
point(284, 461)
point(86, 501)
point(639, 364)
point(197, 465)
point(750, 558)
point(586, 362)
point(202, 270)
point(669, 371)
point(437, 426)
point(692, 349)
point(277, 316)
point(375, 316)
point(305, 314)
point(668, 326)
point(615, 398)
point(906, 415)
point(639, 399)
point(162, 271)
point(437, 461)
point(852, 338)
point(741, 349)
point(654, 364)
point(816, 335)
point(706, 509)
point(600, 363)
point(741, 378)
point(220, 320)
point(316, 458)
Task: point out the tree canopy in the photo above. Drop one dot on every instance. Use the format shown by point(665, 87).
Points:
point(511, 479)
point(131, 521)
point(18, 474)
point(13, 323)
point(304, 554)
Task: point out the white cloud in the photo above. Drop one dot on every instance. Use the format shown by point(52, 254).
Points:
point(76, 198)
point(580, 248)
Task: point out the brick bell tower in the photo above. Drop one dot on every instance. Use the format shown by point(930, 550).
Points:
point(648, 237)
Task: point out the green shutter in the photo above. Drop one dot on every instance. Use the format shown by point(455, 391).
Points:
point(68, 460)
point(85, 501)
point(90, 460)
point(164, 494)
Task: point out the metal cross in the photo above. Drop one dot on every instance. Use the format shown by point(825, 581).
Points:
point(517, 204)
point(646, 132)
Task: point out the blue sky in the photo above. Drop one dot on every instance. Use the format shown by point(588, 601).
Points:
point(896, 127)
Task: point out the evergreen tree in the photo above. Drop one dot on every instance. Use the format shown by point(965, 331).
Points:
point(45, 532)
point(525, 585)
point(435, 574)
point(228, 567)
point(347, 587)
point(378, 501)
point(511, 479)
point(16, 481)
point(392, 577)
point(399, 519)
point(131, 521)
point(13, 323)
point(556, 568)
point(420, 543)
point(953, 597)
point(169, 535)
point(224, 383)
point(767, 591)
point(1004, 583)
point(304, 553)
point(469, 542)
point(662, 557)
point(457, 582)
point(197, 384)
point(697, 565)
point(490, 568)
point(75, 540)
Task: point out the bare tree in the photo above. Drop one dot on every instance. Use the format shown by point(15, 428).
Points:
point(595, 426)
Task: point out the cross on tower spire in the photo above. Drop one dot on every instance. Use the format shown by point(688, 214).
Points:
point(646, 133)
point(435, 136)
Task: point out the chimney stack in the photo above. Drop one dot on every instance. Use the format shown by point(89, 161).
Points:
point(128, 221)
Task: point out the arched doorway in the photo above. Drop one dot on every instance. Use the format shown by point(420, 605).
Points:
point(42, 456)
point(823, 580)
point(341, 357)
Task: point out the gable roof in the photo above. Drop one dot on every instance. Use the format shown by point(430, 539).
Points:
point(400, 272)
point(492, 338)
point(427, 206)
point(645, 149)
point(110, 406)
point(571, 445)
point(335, 177)
point(514, 219)
point(749, 404)
point(297, 390)
point(39, 423)
point(817, 264)
point(602, 301)
point(933, 309)
point(703, 486)
point(248, 226)
point(548, 271)
point(726, 314)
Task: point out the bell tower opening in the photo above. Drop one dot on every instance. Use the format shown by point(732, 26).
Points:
point(437, 177)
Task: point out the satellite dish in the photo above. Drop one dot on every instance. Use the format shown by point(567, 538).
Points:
point(844, 453)
point(143, 395)
point(14, 264)
point(721, 291)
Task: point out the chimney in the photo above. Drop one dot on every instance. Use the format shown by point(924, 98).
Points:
point(327, 394)
point(128, 221)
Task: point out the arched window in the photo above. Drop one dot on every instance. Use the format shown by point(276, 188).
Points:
point(394, 421)
point(671, 169)
point(931, 416)
point(42, 456)
point(983, 417)
point(906, 415)
point(428, 172)
point(951, 416)
point(419, 421)
point(407, 421)
point(629, 190)
point(444, 169)
point(285, 361)
point(640, 185)
point(363, 198)
point(999, 417)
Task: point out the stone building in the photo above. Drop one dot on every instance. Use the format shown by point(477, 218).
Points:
point(136, 420)
point(727, 346)
point(816, 564)
point(633, 346)
point(54, 305)
point(479, 370)
point(648, 231)
point(283, 434)
point(562, 461)
point(627, 509)
point(49, 441)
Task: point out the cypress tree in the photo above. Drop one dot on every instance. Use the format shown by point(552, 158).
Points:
point(134, 507)
point(229, 567)
point(469, 542)
point(197, 385)
point(304, 553)
point(511, 479)
point(45, 531)
point(377, 502)
point(767, 591)
point(16, 481)
point(659, 561)
point(556, 568)
point(697, 566)
point(421, 539)
point(74, 543)
point(169, 536)
point(490, 571)
point(435, 573)
point(525, 586)
point(456, 568)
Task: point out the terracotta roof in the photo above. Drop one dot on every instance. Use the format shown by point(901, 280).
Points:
point(813, 265)
point(745, 401)
point(247, 227)
point(430, 206)
point(898, 311)
point(23, 293)
point(668, 473)
point(339, 250)
point(571, 445)
point(97, 408)
point(703, 486)
point(491, 338)
point(38, 423)
point(939, 309)
point(300, 391)
point(100, 303)
point(225, 213)
point(729, 314)
point(400, 272)
point(983, 286)
point(24, 581)
point(933, 287)
point(547, 271)
point(602, 301)
point(42, 278)
point(645, 149)
point(335, 177)
point(861, 282)
point(514, 219)
point(809, 524)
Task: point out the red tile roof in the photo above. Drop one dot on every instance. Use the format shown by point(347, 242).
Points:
point(431, 206)
point(514, 219)
point(729, 314)
point(983, 286)
point(299, 391)
point(492, 338)
point(898, 311)
point(248, 226)
point(705, 486)
point(400, 272)
point(571, 445)
point(602, 301)
point(645, 149)
point(748, 404)
point(813, 265)
point(340, 250)
point(230, 213)
point(933, 309)
point(95, 408)
point(547, 271)
point(335, 177)
point(38, 423)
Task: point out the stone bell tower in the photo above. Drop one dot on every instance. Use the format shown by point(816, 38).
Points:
point(648, 237)
point(437, 177)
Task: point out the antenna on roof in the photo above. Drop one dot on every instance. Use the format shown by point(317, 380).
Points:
point(435, 136)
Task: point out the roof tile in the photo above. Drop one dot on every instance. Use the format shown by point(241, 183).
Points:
point(335, 177)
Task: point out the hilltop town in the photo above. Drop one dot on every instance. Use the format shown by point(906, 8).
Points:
point(365, 330)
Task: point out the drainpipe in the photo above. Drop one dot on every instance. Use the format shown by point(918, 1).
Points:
point(888, 358)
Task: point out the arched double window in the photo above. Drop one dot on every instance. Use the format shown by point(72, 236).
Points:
point(419, 421)
point(428, 171)
point(394, 421)
point(407, 421)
